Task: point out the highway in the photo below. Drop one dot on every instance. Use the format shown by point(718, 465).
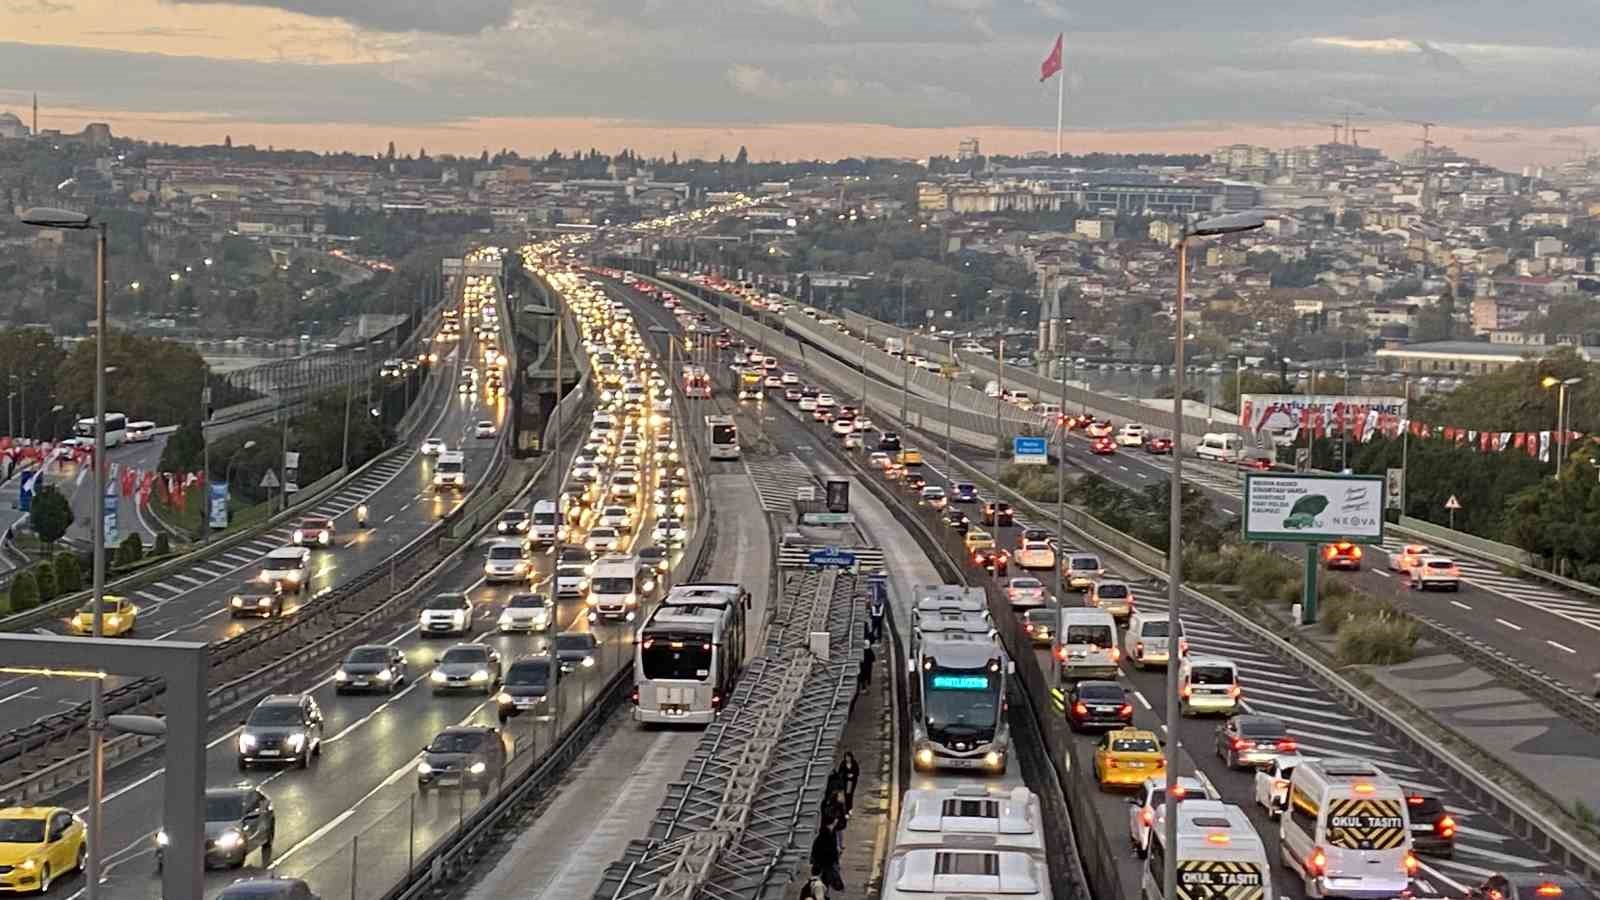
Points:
point(1322, 726)
point(192, 604)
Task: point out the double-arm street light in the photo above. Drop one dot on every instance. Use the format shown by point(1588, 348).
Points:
point(71, 220)
point(1221, 225)
point(1562, 414)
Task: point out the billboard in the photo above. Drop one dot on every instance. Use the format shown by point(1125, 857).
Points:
point(1306, 508)
point(1281, 414)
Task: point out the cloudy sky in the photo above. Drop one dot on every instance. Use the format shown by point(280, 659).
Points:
point(810, 77)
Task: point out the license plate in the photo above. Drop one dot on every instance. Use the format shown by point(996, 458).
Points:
point(524, 704)
point(1077, 656)
point(267, 753)
point(448, 779)
point(963, 763)
point(358, 682)
point(1135, 765)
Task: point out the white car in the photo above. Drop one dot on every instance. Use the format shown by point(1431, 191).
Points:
point(618, 517)
point(506, 560)
point(1036, 555)
point(1272, 783)
point(433, 446)
point(572, 581)
point(1131, 435)
point(863, 423)
point(1025, 592)
point(669, 532)
point(789, 378)
point(879, 460)
point(624, 486)
point(808, 404)
point(772, 381)
point(1436, 572)
point(826, 401)
point(602, 540)
point(842, 427)
point(484, 429)
point(1147, 809)
point(527, 612)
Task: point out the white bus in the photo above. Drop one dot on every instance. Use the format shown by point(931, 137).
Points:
point(687, 655)
point(723, 437)
point(116, 429)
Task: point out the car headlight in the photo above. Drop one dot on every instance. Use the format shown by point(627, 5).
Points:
point(502, 697)
point(506, 617)
point(341, 675)
point(588, 662)
point(477, 768)
point(385, 675)
point(437, 677)
point(229, 839)
point(424, 769)
point(324, 538)
point(925, 757)
point(299, 536)
point(480, 676)
point(247, 742)
point(237, 601)
point(297, 740)
point(28, 865)
point(161, 838)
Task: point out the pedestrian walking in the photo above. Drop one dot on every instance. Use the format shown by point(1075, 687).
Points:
point(851, 771)
point(825, 857)
point(836, 809)
point(875, 611)
point(864, 680)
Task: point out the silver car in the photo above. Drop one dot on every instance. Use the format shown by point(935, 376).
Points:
point(467, 667)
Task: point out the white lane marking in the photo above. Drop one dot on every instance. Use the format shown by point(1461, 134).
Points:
point(1562, 647)
point(414, 683)
point(1460, 604)
point(1511, 625)
point(1380, 572)
point(22, 693)
point(1138, 695)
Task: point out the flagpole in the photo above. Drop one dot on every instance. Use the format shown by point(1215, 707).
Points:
point(1061, 104)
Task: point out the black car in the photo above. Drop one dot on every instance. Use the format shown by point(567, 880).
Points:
point(889, 442)
point(1098, 704)
point(1433, 830)
point(914, 482)
point(997, 513)
point(654, 557)
point(513, 521)
point(263, 603)
point(957, 521)
point(530, 687)
point(371, 667)
point(1253, 740)
point(576, 649)
point(270, 887)
point(462, 756)
point(993, 560)
point(574, 556)
point(282, 728)
point(1530, 886)
point(238, 821)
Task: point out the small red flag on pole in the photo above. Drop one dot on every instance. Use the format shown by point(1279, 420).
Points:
point(1052, 63)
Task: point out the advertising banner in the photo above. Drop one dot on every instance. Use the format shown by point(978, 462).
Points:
point(1285, 414)
point(218, 511)
point(1313, 508)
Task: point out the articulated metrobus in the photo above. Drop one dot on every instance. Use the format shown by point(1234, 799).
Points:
point(688, 653)
point(116, 428)
point(722, 437)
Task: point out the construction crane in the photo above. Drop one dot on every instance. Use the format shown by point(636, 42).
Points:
point(1335, 127)
point(1356, 141)
point(1427, 142)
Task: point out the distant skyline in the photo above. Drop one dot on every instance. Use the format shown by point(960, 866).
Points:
point(809, 78)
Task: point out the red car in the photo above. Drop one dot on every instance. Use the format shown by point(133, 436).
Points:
point(1342, 555)
point(1157, 445)
point(1260, 463)
point(992, 560)
point(1103, 446)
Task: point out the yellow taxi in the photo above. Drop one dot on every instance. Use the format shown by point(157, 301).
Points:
point(978, 539)
point(909, 457)
point(119, 616)
point(38, 845)
point(1124, 758)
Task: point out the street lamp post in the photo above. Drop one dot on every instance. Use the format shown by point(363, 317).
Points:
point(1206, 228)
point(45, 217)
point(1061, 443)
point(1561, 384)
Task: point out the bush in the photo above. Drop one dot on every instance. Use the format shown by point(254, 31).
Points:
point(1353, 607)
point(1383, 641)
point(24, 592)
point(163, 545)
point(69, 573)
point(45, 574)
point(131, 550)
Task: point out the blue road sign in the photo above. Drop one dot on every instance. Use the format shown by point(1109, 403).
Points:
point(832, 557)
point(1030, 451)
point(25, 488)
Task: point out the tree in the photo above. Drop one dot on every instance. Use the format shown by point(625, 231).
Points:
point(45, 574)
point(1437, 322)
point(185, 450)
point(24, 592)
point(155, 379)
point(163, 545)
point(69, 574)
point(50, 514)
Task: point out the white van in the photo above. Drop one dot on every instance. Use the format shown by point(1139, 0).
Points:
point(1049, 410)
point(546, 528)
point(1148, 640)
point(1222, 447)
point(1208, 685)
point(1086, 645)
point(450, 471)
point(137, 432)
point(618, 586)
point(1218, 854)
point(1347, 830)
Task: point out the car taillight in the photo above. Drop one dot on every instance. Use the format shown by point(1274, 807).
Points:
point(716, 701)
point(1138, 649)
point(1446, 827)
point(1147, 817)
point(1028, 628)
point(1317, 862)
point(1125, 711)
point(1061, 653)
point(1548, 889)
point(1288, 745)
point(1241, 744)
point(1115, 654)
point(1410, 863)
point(1187, 691)
point(1356, 552)
point(1080, 709)
point(1234, 692)
point(633, 696)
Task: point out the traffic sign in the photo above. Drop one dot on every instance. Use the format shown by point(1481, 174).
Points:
point(1452, 503)
point(1030, 451)
point(832, 557)
point(269, 480)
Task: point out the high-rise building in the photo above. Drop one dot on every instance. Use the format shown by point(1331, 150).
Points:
point(967, 149)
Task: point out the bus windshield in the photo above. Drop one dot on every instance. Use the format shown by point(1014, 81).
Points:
point(677, 658)
point(961, 701)
point(724, 434)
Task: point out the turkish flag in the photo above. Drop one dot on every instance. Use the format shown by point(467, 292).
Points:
point(1052, 63)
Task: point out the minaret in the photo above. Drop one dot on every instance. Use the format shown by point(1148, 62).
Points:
point(35, 113)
